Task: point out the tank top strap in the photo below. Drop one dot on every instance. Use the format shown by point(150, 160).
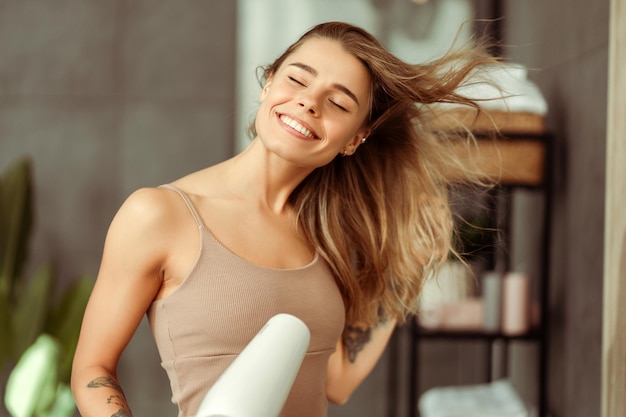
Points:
point(187, 201)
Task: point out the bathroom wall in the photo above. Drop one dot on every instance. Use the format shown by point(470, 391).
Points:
point(566, 45)
point(106, 97)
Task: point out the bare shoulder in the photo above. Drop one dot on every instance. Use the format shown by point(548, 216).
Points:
point(144, 232)
point(164, 208)
point(151, 205)
point(148, 213)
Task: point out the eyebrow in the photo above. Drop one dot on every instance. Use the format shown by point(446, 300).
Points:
point(338, 86)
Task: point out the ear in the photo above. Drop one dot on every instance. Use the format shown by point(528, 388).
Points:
point(356, 141)
point(266, 88)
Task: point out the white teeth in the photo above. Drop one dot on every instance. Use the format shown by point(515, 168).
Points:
point(297, 126)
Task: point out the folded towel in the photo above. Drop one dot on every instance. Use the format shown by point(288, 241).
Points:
point(496, 399)
point(504, 88)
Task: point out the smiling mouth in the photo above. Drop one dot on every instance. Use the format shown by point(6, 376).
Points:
point(297, 126)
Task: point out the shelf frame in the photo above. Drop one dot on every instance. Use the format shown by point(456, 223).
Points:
point(538, 334)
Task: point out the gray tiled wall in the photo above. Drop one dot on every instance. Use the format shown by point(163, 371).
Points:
point(106, 97)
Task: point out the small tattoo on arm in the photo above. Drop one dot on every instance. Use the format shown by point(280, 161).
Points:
point(354, 339)
point(105, 382)
point(117, 400)
point(120, 400)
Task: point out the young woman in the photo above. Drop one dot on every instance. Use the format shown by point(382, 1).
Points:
point(334, 213)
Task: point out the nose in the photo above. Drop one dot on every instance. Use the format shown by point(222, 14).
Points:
point(308, 103)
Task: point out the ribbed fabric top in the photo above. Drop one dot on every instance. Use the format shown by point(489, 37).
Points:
point(223, 302)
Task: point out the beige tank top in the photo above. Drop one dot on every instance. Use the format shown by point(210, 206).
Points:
point(220, 306)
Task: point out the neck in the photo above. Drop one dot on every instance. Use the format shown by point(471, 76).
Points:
point(260, 175)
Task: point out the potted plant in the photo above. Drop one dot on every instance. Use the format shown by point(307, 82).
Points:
point(39, 328)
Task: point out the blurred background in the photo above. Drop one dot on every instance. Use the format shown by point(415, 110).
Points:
point(109, 96)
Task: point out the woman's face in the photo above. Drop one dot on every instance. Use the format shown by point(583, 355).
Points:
point(315, 105)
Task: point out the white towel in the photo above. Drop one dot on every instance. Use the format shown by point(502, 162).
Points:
point(504, 88)
point(496, 399)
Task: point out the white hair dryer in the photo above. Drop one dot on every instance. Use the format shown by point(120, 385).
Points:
point(259, 380)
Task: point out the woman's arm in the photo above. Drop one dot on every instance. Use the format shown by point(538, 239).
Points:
point(358, 351)
point(129, 278)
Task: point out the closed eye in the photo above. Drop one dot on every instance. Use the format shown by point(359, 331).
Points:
point(296, 81)
point(339, 106)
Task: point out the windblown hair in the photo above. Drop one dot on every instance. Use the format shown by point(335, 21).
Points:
point(381, 217)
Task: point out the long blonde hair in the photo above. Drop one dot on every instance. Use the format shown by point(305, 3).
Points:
point(381, 217)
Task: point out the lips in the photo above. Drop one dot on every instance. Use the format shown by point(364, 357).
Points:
point(297, 126)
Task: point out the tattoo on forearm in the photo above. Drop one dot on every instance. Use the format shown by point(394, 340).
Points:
point(354, 339)
point(120, 400)
point(105, 382)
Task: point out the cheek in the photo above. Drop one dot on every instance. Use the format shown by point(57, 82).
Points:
point(264, 113)
point(344, 132)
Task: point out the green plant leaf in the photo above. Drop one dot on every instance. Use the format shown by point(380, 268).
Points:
point(65, 320)
point(16, 220)
point(32, 385)
point(64, 405)
point(6, 332)
point(31, 309)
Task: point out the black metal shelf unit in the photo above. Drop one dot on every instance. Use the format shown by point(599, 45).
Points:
point(539, 333)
